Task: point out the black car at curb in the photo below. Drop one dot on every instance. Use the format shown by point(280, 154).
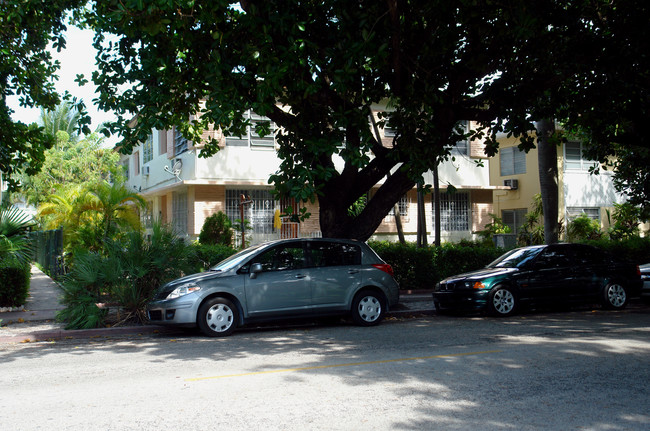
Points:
point(554, 274)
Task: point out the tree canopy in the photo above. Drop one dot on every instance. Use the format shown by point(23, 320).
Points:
point(28, 71)
point(318, 68)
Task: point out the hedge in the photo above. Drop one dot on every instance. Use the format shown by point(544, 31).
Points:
point(421, 268)
point(14, 286)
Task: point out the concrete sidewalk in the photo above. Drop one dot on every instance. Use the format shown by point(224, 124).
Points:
point(38, 320)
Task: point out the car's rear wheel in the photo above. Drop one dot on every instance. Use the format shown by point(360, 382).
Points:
point(614, 296)
point(368, 308)
point(502, 302)
point(217, 317)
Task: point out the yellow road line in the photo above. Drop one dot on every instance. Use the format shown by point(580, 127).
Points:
point(351, 364)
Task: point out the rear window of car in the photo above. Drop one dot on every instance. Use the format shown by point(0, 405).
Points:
point(335, 254)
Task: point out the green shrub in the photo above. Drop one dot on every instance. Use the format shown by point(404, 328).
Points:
point(421, 268)
point(583, 228)
point(209, 255)
point(217, 229)
point(634, 249)
point(413, 267)
point(14, 285)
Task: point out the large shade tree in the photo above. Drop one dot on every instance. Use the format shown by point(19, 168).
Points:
point(28, 29)
point(317, 68)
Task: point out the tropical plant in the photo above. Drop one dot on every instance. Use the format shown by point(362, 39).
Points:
point(583, 228)
point(116, 206)
point(15, 248)
point(91, 214)
point(495, 227)
point(626, 221)
point(124, 275)
point(63, 118)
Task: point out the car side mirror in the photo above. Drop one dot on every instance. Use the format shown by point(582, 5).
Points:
point(256, 268)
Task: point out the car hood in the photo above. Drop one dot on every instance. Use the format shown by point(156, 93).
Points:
point(480, 274)
point(197, 278)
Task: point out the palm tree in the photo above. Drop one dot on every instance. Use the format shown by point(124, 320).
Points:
point(63, 118)
point(116, 206)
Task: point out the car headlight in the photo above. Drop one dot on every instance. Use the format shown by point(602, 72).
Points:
point(183, 289)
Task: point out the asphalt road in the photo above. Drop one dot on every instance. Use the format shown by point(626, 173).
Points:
point(583, 370)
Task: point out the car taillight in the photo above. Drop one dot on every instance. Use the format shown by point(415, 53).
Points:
point(385, 267)
point(638, 270)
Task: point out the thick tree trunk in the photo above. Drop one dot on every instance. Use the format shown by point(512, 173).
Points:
point(335, 221)
point(548, 178)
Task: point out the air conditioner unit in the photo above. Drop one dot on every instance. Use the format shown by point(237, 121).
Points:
point(145, 171)
point(513, 184)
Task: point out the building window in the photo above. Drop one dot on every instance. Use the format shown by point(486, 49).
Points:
point(574, 159)
point(179, 212)
point(512, 161)
point(146, 216)
point(574, 212)
point(462, 146)
point(258, 213)
point(403, 206)
point(125, 169)
point(454, 212)
point(514, 219)
point(147, 149)
point(251, 137)
point(180, 142)
point(136, 163)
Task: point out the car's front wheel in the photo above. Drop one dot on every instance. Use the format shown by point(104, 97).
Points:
point(614, 296)
point(217, 317)
point(368, 308)
point(502, 302)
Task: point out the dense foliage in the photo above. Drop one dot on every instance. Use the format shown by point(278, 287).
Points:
point(124, 275)
point(28, 72)
point(318, 69)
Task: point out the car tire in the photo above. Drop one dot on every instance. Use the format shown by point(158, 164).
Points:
point(502, 302)
point(615, 296)
point(368, 308)
point(217, 317)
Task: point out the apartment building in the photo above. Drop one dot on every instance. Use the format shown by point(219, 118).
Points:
point(183, 189)
point(579, 191)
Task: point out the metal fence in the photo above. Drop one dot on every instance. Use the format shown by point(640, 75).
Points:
point(48, 250)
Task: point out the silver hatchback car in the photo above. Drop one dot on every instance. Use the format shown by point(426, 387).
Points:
point(278, 280)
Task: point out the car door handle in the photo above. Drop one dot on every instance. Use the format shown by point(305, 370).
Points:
point(353, 271)
point(300, 276)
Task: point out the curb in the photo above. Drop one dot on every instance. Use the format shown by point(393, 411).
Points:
point(71, 334)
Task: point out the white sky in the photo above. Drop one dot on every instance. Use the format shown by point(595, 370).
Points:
point(77, 58)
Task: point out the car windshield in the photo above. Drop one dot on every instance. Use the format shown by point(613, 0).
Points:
point(235, 259)
point(516, 258)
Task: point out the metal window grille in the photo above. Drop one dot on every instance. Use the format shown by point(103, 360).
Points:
point(179, 212)
point(454, 212)
point(403, 205)
point(259, 213)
